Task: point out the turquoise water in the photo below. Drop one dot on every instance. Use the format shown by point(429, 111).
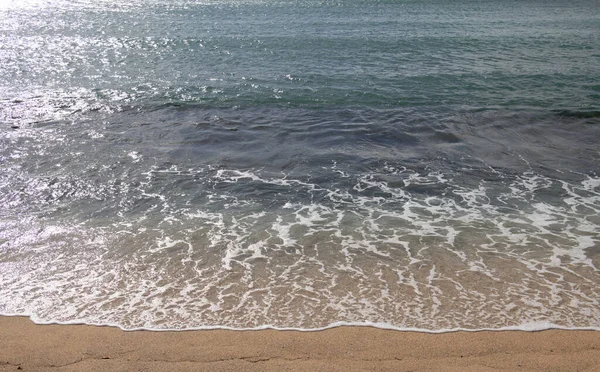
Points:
point(429, 165)
point(302, 53)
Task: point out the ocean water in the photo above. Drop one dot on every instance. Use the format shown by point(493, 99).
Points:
point(415, 164)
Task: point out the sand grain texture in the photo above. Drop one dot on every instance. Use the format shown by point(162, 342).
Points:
point(87, 348)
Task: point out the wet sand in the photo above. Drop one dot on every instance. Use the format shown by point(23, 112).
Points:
point(30, 347)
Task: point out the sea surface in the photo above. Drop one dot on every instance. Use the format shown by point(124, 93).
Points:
point(177, 164)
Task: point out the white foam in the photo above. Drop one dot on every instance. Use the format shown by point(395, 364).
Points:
point(525, 327)
point(136, 156)
point(451, 261)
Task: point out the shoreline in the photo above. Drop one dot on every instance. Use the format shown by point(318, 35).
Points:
point(525, 327)
point(35, 347)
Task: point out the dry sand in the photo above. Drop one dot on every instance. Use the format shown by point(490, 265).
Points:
point(30, 347)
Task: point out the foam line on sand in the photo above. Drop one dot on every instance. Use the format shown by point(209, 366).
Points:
point(32, 347)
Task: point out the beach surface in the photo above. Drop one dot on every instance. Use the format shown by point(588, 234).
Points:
point(27, 346)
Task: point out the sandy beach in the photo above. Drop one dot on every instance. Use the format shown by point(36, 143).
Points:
point(30, 347)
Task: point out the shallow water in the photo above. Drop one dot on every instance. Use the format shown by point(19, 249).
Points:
point(176, 165)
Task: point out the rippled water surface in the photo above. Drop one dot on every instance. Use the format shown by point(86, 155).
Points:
point(186, 164)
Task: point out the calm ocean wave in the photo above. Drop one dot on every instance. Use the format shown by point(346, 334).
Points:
point(251, 164)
